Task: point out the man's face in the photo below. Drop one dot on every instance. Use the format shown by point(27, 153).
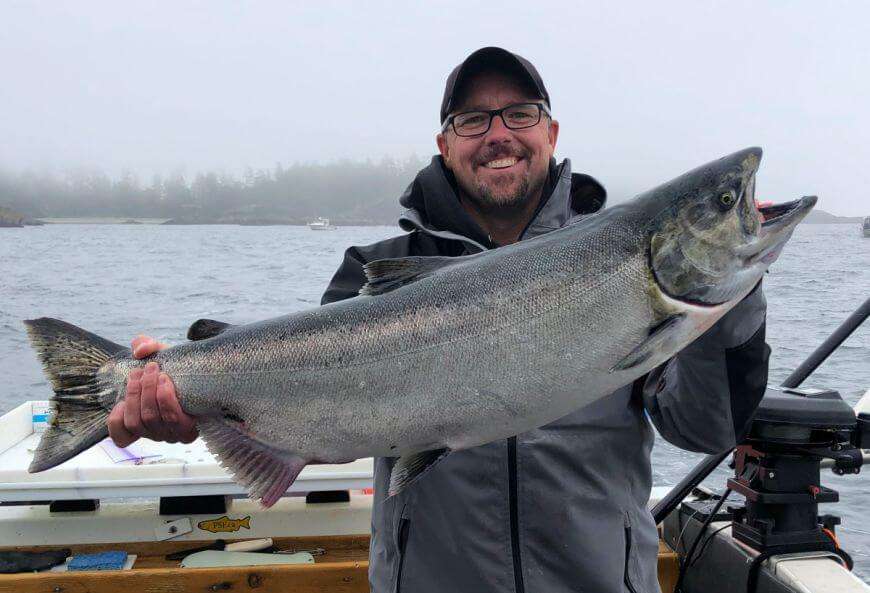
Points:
point(502, 168)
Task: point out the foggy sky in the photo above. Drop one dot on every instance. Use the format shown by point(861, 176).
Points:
point(642, 92)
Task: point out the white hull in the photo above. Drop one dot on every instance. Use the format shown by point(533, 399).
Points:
point(321, 224)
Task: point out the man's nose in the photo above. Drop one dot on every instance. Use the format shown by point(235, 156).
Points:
point(498, 131)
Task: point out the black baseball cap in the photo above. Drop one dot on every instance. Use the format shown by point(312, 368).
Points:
point(491, 58)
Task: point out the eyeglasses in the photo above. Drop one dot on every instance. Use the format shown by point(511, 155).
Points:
point(515, 117)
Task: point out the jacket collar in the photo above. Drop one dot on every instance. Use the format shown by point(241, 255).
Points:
point(433, 205)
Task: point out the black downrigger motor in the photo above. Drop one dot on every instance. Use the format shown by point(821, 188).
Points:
point(777, 469)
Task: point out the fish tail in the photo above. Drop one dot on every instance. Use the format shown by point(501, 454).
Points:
point(71, 358)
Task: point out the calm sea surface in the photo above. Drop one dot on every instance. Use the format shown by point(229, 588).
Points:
point(118, 280)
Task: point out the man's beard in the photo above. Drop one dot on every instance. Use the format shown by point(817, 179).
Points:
point(486, 200)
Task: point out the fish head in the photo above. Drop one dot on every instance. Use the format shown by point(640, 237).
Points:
point(710, 243)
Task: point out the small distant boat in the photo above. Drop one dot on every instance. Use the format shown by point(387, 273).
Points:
point(865, 227)
point(321, 224)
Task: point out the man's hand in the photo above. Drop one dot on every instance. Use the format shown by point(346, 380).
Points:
point(150, 408)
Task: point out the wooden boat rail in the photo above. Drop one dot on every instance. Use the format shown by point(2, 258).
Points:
point(342, 568)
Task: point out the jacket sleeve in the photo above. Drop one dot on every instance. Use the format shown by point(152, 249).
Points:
point(348, 279)
point(704, 397)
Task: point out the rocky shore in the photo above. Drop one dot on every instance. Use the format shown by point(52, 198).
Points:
point(8, 218)
point(264, 221)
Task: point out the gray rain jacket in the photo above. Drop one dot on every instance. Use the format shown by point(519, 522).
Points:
point(564, 507)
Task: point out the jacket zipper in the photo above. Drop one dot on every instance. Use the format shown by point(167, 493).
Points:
point(627, 577)
point(519, 585)
point(404, 525)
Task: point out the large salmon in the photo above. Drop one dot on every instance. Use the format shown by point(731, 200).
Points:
point(439, 354)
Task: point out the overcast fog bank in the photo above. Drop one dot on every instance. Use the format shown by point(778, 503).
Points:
point(642, 93)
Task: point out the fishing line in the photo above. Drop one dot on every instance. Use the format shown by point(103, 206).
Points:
point(688, 559)
point(683, 529)
point(706, 543)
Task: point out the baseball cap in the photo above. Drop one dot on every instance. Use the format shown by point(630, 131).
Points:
point(491, 58)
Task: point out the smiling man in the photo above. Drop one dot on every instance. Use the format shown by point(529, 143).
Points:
point(563, 507)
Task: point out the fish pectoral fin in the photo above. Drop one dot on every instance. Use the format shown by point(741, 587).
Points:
point(385, 275)
point(410, 467)
point(658, 339)
point(265, 471)
point(206, 328)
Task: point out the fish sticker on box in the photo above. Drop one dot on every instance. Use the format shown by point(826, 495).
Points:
point(224, 524)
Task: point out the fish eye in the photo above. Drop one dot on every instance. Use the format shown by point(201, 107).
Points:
point(726, 200)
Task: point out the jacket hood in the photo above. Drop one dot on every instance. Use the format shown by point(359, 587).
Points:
point(434, 208)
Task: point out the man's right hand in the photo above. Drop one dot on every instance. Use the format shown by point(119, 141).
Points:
point(150, 409)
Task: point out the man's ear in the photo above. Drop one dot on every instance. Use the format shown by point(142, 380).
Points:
point(553, 134)
point(443, 147)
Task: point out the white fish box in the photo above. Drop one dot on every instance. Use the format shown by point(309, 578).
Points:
point(130, 481)
point(146, 469)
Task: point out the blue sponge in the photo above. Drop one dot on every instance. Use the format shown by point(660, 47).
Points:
point(100, 561)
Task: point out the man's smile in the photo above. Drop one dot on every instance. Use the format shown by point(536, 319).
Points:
point(502, 163)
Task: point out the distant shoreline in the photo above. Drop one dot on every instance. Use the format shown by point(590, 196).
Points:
point(102, 220)
point(12, 218)
point(9, 218)
point(816, 217)
point(822, 217)
point(195, 222)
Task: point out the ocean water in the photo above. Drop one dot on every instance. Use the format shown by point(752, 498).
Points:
point(119, 280)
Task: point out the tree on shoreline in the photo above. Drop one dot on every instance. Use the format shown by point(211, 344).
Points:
point(342, 190)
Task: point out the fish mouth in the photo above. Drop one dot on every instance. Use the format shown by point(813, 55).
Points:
point(778, 215)
point(779, 222)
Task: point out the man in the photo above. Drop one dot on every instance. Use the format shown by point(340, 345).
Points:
point(563, 507)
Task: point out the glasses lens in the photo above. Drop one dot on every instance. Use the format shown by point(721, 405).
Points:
point(471, 123)
point(516, 117)
point(522, 116)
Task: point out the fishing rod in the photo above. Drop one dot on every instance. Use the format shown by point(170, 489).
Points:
point(703, 469)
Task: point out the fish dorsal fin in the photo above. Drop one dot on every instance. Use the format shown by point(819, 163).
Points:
point(409, 468)
point(264, 471)
point(206, 328)
point(657, 340)
point(384, 275)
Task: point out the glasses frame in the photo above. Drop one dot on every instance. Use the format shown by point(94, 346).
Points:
point(492, 113)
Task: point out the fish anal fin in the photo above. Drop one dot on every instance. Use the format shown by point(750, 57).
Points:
point(264, 471)
point(385, 275)
point(202, 329)
point(409, 468)
point(659, 338)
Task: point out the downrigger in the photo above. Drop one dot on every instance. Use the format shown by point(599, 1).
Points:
point(794, 434)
